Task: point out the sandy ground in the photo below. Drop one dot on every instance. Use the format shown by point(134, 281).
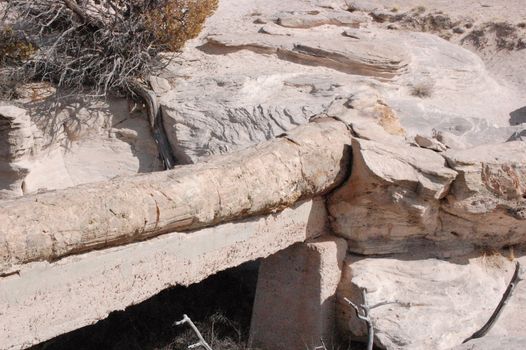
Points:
point(479, 10)
point(507, 67)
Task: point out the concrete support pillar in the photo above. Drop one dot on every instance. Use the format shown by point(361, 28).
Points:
point(295, 297)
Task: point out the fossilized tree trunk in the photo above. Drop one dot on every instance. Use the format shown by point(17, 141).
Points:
point(304, 163)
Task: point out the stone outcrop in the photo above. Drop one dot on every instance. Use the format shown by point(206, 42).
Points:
point(399, 197)
point(213, 116)
point(487, 202)
point(58, 144)
point(348, 56)
point(392, 197)
point(316, 18)
point(430, 303)
point(306, 162)
point(262, 68)
point(491, 343)
point(16, 144)
point(437, 171)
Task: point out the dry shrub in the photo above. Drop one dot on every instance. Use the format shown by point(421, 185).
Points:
point(177, 21)
point(422, 89)
point(420, 9)
point(502, 35)
point(105, 44)
point(14, 48)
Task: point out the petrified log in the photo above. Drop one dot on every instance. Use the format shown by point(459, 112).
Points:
point(306, 162)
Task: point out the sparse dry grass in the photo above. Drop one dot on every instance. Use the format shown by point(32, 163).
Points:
point(419, 9)
point(220, 332)
point(422, 89)
point(496, 259)
point(492, 258)
point(502, 35)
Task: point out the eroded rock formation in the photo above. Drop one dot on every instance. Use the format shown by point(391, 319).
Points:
point(416, 147)
point(429, 303)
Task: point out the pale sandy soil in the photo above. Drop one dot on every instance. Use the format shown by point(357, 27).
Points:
point(479, 10)
point(507, 67)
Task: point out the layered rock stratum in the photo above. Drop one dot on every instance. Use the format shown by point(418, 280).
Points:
point(409, 121)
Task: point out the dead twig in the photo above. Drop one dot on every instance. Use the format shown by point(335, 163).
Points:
point(202, 341)
point(362, 311)
point(156, 123)
point(503, 301)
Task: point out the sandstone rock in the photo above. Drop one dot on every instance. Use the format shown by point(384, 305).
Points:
point(430, 143)
point(16, 144)
point(205, 116)
point(273, 29)
point(451, 69)
point(52, 144)
point(362, 5)
point(298, 283)
point(487, 202)
point(368, 115)
point(317, 18)
point(370, 104)
point(250, 94)
point(370, 130)
point(448, 139)
point(430, 303)
point(378, 59)
point(399, 197)
point(492, 343)
point(392, 196)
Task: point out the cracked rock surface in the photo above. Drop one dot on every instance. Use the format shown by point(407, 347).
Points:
point(432, 303)
point(262, 67)
point(423, 104)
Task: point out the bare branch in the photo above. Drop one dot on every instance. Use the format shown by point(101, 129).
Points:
point(73, 6)
point(202, 341)
point(362, 312)
point(515, 279)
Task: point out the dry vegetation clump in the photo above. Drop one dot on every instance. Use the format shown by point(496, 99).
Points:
point(105, 44)
point(493, 259)
point(422, 89)
point(502, 35)
point(172, 24)
point(14, 48)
